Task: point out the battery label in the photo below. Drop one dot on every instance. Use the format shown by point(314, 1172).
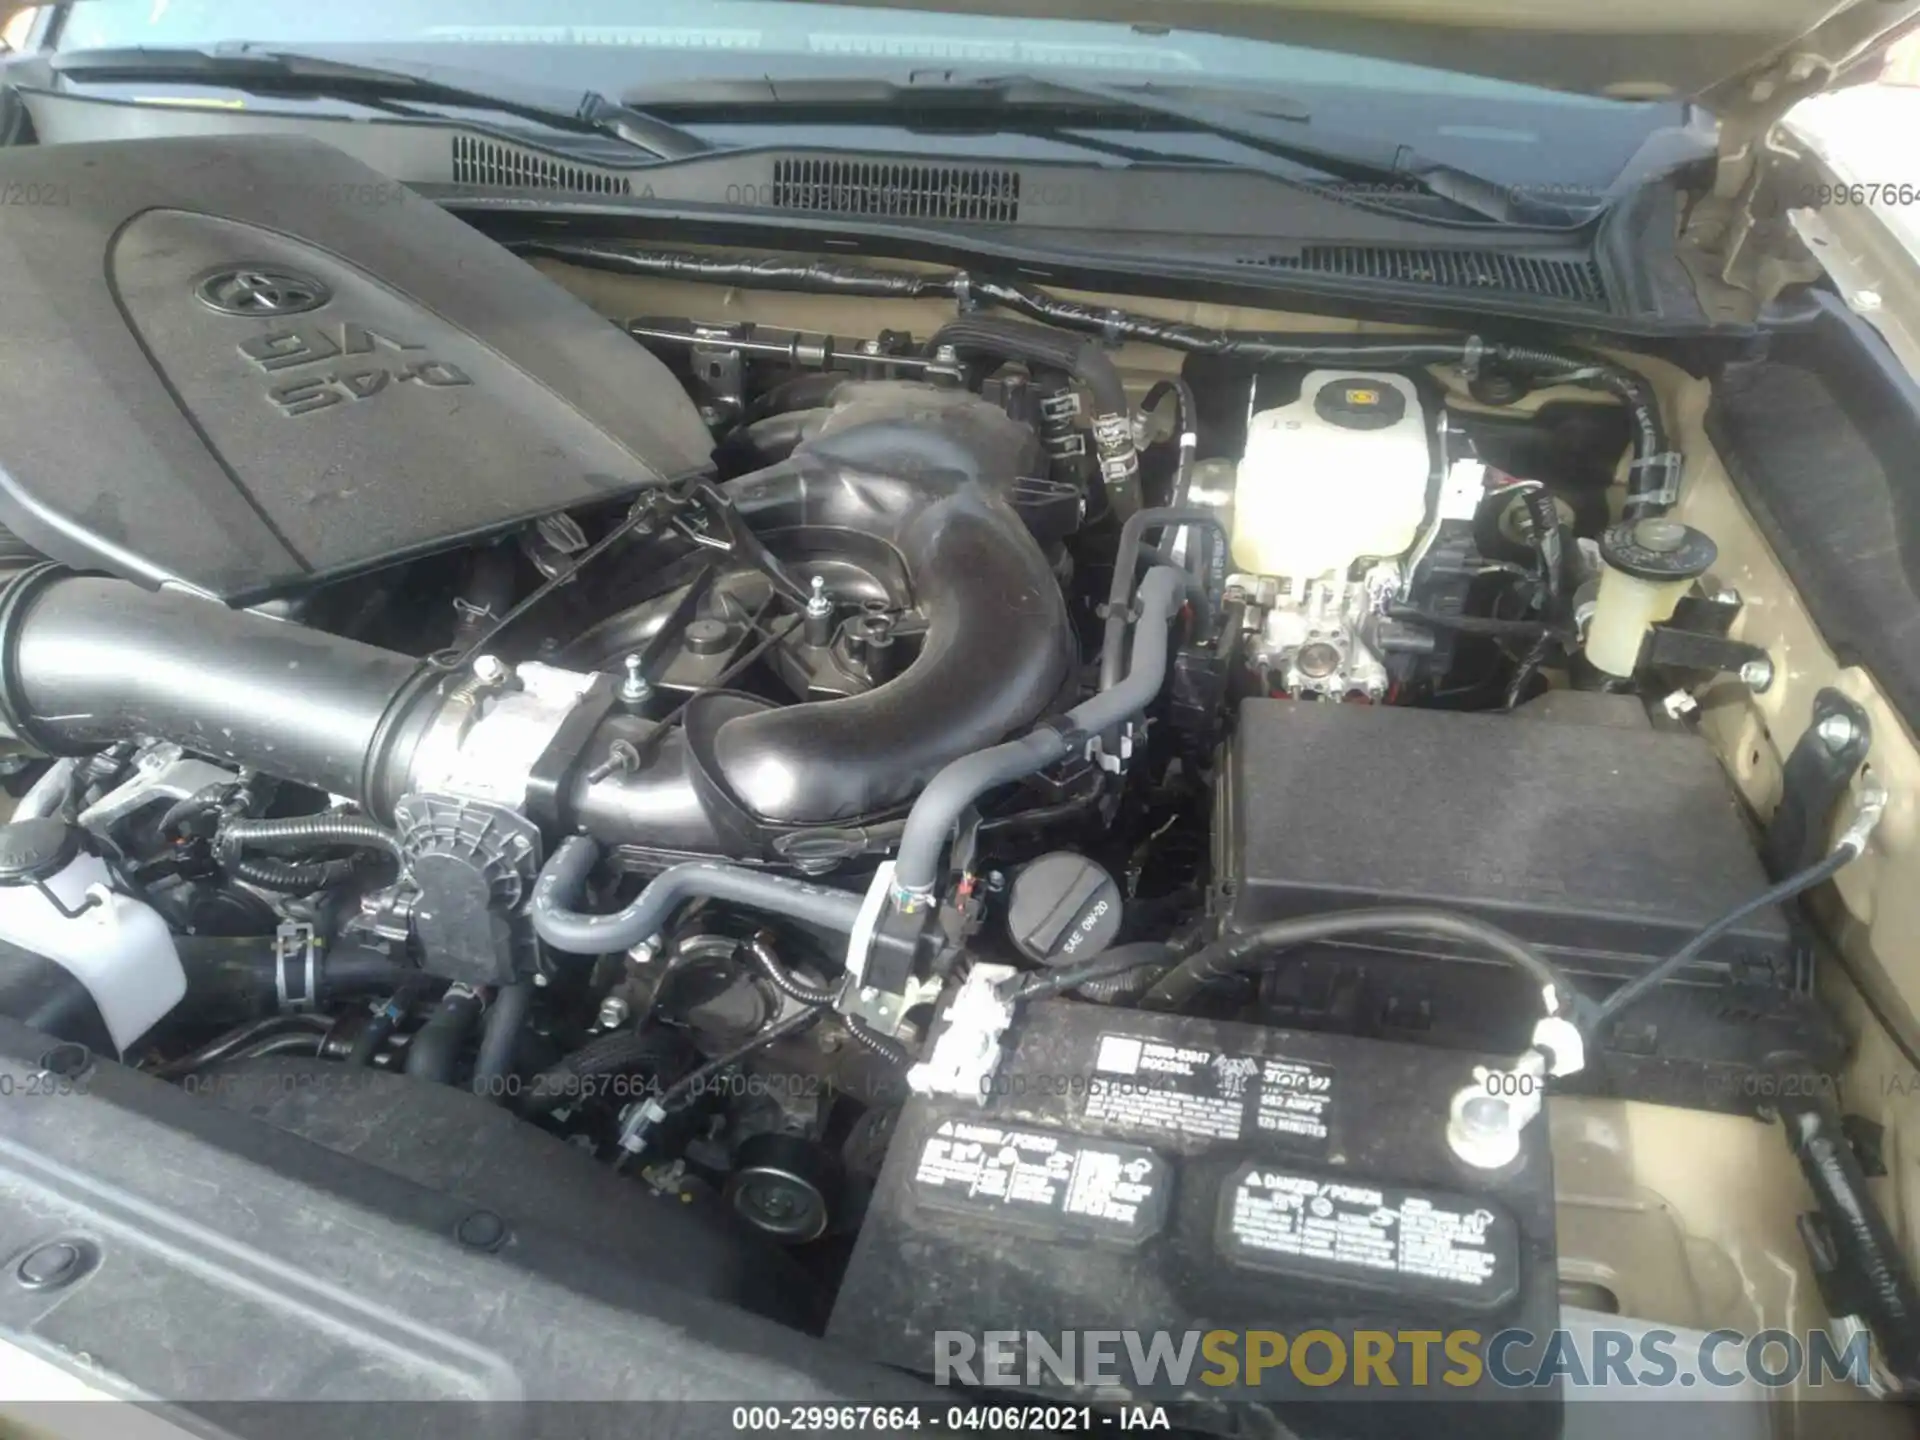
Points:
point(1042, 1180)
point(1355, 1233)
point(1211, 1094)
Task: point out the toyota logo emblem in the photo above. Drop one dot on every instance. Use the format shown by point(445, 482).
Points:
point(261, 290)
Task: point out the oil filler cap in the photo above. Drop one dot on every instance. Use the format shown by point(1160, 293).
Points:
point(1063, 907)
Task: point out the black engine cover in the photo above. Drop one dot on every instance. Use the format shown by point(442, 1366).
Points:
point(243, 364)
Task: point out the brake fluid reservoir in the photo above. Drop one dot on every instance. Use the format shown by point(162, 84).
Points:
point(1338, 474)
point(58, 901)
point(1648, 566)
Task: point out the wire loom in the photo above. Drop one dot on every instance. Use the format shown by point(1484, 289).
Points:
point(1653, 483)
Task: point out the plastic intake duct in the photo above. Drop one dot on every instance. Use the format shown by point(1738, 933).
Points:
point(918, 473)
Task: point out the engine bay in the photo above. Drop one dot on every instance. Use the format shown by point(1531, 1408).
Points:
point(1048, 814)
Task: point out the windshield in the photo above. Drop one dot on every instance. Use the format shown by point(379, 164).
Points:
point(1520, 135)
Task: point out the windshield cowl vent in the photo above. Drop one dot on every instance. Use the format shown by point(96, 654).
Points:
point(488, 162)
point(1576, 280)
point(982, 194)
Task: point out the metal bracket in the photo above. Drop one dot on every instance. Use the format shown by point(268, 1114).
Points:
point(734, 535)
point(1695, 641)
point(718, 363)
point(1817, 775)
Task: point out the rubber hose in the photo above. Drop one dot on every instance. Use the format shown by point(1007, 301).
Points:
point(564, 876)
point(1126, 557)
point(500, 1036)
point(234, 1040)
point(1088, 362)
point(434, 1051)
point(1186, 423)
point(1250, 949)
point(957, 786)
point(245, 970)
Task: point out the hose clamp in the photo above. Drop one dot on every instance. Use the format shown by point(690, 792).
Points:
point(1669, 462)
point(295, 941)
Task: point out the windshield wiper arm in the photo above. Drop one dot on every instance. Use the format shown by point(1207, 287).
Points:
point(287, 73)
point(1269, 125)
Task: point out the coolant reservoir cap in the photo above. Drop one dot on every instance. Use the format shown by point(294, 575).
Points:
point(33, 850)
point(1658, 549)
point(1063, 907)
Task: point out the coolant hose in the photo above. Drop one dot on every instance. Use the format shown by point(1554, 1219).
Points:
point(1081, 357)
point(506, 1018)
point(1114, 638)
point(434, 1051)
point(960, 784)
point(576, 932)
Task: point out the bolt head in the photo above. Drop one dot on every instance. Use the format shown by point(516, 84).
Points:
point(1836, 732)
point(614, 1012)
point(489, 669)
point(1757, 675)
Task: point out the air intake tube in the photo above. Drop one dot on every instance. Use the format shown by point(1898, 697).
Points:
point(87, 661)
point(920, 474)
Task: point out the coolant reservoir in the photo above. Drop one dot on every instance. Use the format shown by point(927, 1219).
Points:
point(1339, 474)
point(1648, 566)
point(58, 902)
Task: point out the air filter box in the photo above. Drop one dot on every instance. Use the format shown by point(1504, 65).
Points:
point(1605, 842)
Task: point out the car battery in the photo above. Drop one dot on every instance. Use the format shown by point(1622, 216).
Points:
point(1164, 1177)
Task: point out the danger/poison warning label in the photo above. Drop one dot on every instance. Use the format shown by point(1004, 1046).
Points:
point(1044, 1181)
point(1315, 1227)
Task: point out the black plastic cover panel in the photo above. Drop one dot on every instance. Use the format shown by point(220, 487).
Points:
point(242, 364)
point(1609, 846)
